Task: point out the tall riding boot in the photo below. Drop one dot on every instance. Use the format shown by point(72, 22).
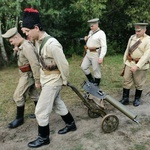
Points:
point(70, 124)
point(125, 97)
point(97, 81)
point(137, 100)
point(19, 118)
point(43, 137)
point(32, 116)
point(90, 78)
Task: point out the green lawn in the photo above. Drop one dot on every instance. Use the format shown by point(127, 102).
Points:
point(111, 83)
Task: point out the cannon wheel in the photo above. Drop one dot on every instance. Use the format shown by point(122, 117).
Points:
point(109, 123)
point(97, 114)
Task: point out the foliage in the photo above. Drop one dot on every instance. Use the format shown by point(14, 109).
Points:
point(67, 19)
point(138, 14)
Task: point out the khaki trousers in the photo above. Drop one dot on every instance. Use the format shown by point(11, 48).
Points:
point(49, 99)
point(23, 89)
point(137, 78)
point(87, 62)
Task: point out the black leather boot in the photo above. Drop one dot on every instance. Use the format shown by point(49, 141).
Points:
point(32, 116)
point(125, 97)
point(137, 100)
point(90, 78)
point(97, 81)
point(43, 138)
point(70, 124)
point(19, 118)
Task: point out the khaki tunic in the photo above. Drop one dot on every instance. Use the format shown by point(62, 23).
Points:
point(26, 55)
point(50, 98)
point(52, 53)
point(137, 78)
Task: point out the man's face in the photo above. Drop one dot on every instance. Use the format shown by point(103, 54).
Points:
point(13, 41)
point(94, 26)
point(32, 34)
point(140, 33)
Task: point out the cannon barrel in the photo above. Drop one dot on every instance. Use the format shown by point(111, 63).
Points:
point(121, 107)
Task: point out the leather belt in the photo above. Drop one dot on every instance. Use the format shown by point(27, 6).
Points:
point(131, 59)
point(91, 49)
point(48, 72)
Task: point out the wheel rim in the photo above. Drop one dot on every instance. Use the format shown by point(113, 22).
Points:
point(109, 123)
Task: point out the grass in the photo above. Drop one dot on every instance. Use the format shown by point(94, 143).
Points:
point(141, 146)
point(110, 72)
point(111, 82)
point(79, 147)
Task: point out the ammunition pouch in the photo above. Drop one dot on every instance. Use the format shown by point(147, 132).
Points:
point(25, 68)
point(122, 72)
point(85, 47)
point(129, 58)
point(51, 67)
point(136, 60)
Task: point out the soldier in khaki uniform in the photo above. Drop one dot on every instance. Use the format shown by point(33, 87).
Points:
point(29, 70)
point(96, 48)
point(136, 60)
point(54, 73)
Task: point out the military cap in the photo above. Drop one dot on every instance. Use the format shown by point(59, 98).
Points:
point(31, 17)
point(10, 33)
point(93, 21)
point(140, 26)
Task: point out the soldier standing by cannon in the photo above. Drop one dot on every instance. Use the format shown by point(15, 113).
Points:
point(95, 48)
point(136, 60)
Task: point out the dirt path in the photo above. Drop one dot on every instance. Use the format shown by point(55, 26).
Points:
point(89, 136)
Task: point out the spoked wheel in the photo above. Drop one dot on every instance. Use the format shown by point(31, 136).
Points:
point(92, 114)
point(109, 123)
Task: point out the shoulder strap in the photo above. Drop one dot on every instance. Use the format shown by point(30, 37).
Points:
point(134, 46)
point(94, 32)
point(43, 43)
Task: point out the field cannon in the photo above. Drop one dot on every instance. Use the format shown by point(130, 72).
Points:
point(94, 99)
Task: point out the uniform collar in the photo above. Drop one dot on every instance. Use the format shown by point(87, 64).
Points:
point(95, 30)
point(20, 46)
point(43, 36)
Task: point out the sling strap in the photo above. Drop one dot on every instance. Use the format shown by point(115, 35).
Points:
point(134, 46)
point(43, 43)
point(41, 46)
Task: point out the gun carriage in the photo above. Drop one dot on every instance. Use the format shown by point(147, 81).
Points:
point(94, 99)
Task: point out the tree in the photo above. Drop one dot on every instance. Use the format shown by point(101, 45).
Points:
point(118, 21)
point(8, 20)
point(3, 52)
point(67, 20)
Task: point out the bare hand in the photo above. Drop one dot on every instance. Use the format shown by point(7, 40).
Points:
point(38, 85)
point(85, 38)
point(100, 60)
point(16, 48)
point(133, 69)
